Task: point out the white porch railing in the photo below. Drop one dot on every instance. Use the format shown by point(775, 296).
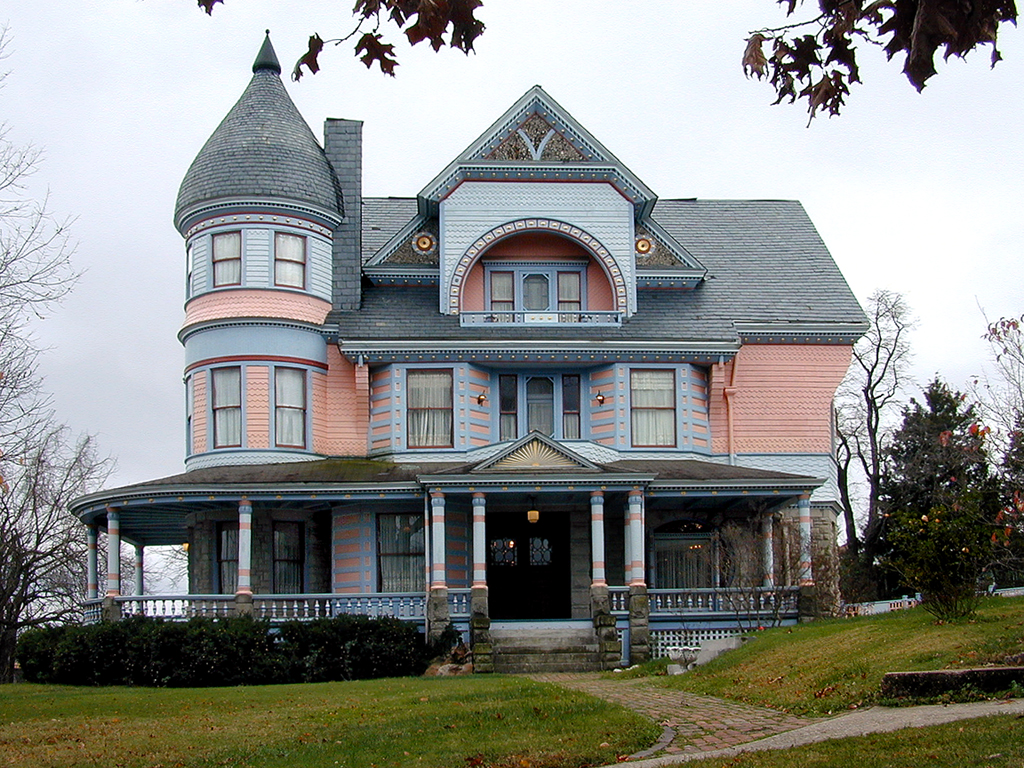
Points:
point(175, 607)
point(724, 601)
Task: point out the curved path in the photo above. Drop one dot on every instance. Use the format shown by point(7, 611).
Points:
point(703, 726)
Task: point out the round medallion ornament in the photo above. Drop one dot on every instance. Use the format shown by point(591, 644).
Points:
point(643, 245)
point(424, 242)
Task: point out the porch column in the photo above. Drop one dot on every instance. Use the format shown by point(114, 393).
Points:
point(437, 600)
point(140, 584)
point(111, 610)
point(804, 509)
point(113, 552)
point(639, 603)
point(767, 550)
point(92, 586)
point(597, 562)
point(243, 589)
point(479, 611)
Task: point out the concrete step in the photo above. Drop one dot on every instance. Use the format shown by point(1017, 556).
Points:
point(558, 649)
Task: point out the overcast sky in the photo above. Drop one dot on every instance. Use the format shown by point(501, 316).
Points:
point(918, 193)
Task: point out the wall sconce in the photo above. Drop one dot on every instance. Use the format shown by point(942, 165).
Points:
point(532, 514)
point(481, 398)
point(599, 397)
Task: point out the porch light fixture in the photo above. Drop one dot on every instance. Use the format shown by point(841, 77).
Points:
point(599, 397)
point(481, 398)
point(533, 514)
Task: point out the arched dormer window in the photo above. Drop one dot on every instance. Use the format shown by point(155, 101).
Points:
point(538, 278)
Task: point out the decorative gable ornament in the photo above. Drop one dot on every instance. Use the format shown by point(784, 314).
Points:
point(536, 452)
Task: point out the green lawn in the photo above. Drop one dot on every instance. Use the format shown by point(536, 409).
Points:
point(442, 722)
point(828, 666)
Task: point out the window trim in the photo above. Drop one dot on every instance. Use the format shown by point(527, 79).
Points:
point(558, 403)
point(280, 259)
point(214, 261)
point(522, 270)
point(410, 373)
point(674, 408)
point(214, 408)
point(303, 409)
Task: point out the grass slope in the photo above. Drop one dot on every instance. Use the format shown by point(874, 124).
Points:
point(828, 666)
point(429, 723)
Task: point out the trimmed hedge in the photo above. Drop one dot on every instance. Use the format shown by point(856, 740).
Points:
point(143, 651)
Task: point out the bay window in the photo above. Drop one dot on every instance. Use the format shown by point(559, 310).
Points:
point(290, 407)
point(227, 259)
point(653, 408)
point(227, 407)
point(429, 409)
point(289, 260)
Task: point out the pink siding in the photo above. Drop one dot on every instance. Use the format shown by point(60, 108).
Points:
point(781, 401)
point(199, 426)
point(473, 291)
point(536, 245)
point(599, 291)
point(340, 407)
point(246, 302)
point(257, 406)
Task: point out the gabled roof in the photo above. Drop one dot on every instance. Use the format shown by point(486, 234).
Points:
point(537, 139)
point(263, 149)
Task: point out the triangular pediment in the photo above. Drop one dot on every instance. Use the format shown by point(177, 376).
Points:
point(536, 452)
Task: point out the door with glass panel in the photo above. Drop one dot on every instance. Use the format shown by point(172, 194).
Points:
point(528, 563)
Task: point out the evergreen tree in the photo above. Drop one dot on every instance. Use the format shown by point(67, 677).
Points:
point(941, 502)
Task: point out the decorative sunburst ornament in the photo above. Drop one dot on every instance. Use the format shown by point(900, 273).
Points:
point(534, 454)
point(424, 242)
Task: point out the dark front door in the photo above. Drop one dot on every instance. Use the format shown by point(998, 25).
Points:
point(528, 565)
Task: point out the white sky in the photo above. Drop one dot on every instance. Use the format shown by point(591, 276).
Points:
point(918, 193)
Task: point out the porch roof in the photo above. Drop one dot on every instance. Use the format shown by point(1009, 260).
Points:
point(154, 512)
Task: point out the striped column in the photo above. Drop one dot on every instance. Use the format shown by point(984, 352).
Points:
point(597, 539)
point(767, 550)
point(479, 540)
point(92, 585)
point(437, 576)
point(140, 583)
point(636, 538)
point(113, 552)
point(804, 509)
point(244, 547)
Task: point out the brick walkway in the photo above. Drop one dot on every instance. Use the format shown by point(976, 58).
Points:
point(691, 723)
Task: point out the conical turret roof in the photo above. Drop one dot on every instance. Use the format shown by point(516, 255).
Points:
point(262, 149)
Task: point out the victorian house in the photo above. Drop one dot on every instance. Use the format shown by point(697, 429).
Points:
point(532, 400)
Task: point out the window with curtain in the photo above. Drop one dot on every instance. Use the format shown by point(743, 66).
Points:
point(227, 407)
point(289, 260)
point(570, 407)
point(548, 404)
point(529, 288)
point(570, 296)
point(429, 409)
point(227, 558)
point(288, 560)
point(400, 553)
point(227, 259)
point(653, 408)
point(540, 405)
point(508, 405)
point(290, 407)
point(684, 562)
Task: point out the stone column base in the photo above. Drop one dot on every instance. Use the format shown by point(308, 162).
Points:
point(437, 612)
point(480, 631)
point(639, 630)
point(242, 605)
point(807, 604)
point(609, 647)
point(110, 610)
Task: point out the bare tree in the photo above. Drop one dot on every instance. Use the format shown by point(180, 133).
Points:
point(871, 391)
point(42, 547)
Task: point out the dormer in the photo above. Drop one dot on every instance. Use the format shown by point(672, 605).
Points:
point(536, 223)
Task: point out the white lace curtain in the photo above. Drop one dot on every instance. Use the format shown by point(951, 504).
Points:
point(227, 407)
point(429, 409)
point(290, 411)
point(652, 396)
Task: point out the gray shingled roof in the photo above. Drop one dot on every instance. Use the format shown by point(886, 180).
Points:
point(261, 149)
point(766, 264)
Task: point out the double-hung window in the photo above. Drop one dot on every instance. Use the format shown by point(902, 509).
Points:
point(227, 558)
point(429, 409)
point(535, 293)
point(289, 260)
point(227, 407)
point(227, 259)
point(288, 559)
point(653, 408)
point(549, 404)
point(290, 407)
point(400, 553)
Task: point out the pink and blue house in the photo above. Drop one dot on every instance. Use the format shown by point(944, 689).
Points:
point(528, 400)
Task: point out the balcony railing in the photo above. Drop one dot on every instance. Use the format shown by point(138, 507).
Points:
point(524, 317)
point(781, 602)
